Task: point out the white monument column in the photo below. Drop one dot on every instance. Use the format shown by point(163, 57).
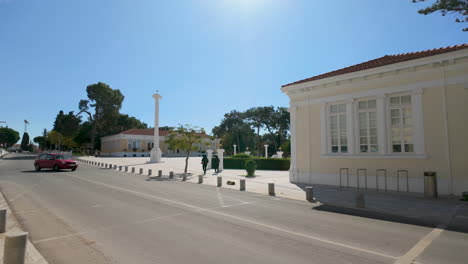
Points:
point(209, 155)
point(156, 151)
point(235, 146)
point(221, 159)
point(266, 151)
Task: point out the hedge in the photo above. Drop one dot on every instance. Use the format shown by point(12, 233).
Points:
point(262, 163)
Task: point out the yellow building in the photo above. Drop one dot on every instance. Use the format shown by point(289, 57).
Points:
point(139, 142)
point(382, 120)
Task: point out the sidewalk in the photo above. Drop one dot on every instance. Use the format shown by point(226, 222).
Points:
point(407, 205)
point(32, 255)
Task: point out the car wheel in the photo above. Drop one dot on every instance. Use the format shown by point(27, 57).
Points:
point(74, 169)
point(38, 168)
point(56, 168)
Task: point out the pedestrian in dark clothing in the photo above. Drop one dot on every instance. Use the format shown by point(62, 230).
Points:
point(216, 164)
point(204, 163)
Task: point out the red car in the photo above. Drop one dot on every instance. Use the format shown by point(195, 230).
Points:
point(55, 162)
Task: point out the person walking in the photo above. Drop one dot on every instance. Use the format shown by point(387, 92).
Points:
point(204, 163)
point(216, 164)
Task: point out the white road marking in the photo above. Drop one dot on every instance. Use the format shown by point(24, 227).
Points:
point(413, 253)
point(152, 219)
point(220, 197)
point(199, 209)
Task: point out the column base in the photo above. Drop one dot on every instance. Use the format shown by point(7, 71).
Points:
point(155, 155)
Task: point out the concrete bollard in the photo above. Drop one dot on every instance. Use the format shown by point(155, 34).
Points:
point(220, 181)
point(271, 189)
point(126, 168)
point(3, 214)
point(110, 166)
point(141, 170)
point(150, 171)
point(200, 179)
point(120, 168)
point(310, 194)
point(184, 177)
point(171, 175)
point(15, 248)
point(360, 201)
point(133, 169)
point(115, 167)
point(242, 185)
point(159, 173)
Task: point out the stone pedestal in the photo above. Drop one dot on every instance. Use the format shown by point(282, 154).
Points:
point(209, 155)
point(221, 159)
point(266, 151)
point(235, 151)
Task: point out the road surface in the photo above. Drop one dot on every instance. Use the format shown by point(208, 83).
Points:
point(96, 215)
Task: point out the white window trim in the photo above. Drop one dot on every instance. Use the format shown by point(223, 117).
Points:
point(383, 135)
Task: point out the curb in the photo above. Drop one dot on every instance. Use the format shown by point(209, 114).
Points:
point(33, 256)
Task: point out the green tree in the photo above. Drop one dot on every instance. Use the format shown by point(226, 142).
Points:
point(55, 138)
point(184, 138)
point(8, 136)
point(457, 7)
point(68, 124)
point(106, 103)
point(234, 130)
point(25, 142)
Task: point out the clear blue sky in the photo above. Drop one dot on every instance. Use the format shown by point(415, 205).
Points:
point(207, 57)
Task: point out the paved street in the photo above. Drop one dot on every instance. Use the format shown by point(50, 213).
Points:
point(94, 215)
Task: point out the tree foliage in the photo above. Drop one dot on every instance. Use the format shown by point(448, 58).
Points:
point(234, 130)
point(254, 128)
point(25, 142)
point(457, 7)
point(68, 124)
point(106, 103)
point(184, 138)
point(8, 136)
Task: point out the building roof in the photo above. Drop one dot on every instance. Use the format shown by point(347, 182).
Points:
point(144, 132)
point(382, 61)
point(150, 132)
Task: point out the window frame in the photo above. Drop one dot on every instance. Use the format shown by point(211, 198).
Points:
point(338, 129)
point(388, 110)
point(383, 125)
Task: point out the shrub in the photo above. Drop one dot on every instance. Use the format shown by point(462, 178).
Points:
point(241, 156)
point(262, 163)
point(250, 166)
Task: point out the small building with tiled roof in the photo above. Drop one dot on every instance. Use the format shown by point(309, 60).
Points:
point(401, 115)
point(139, 142)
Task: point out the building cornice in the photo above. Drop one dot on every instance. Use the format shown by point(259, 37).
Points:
point(441, 60)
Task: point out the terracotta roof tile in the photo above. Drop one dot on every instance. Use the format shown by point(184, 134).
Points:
point(144, 132)
point(149, 132)
point(382, 61)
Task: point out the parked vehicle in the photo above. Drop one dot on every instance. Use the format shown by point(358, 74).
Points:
point(54, 161)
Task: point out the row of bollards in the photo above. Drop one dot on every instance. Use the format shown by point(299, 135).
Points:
point(309, 190)
point(14, 246)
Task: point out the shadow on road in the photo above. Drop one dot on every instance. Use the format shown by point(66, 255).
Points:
point(42, 171)
point(454, 225)
point(20, 157)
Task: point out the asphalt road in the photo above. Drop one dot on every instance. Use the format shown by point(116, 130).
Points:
point(95, 215)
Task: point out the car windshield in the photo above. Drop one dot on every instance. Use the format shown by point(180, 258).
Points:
point(61, 157)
